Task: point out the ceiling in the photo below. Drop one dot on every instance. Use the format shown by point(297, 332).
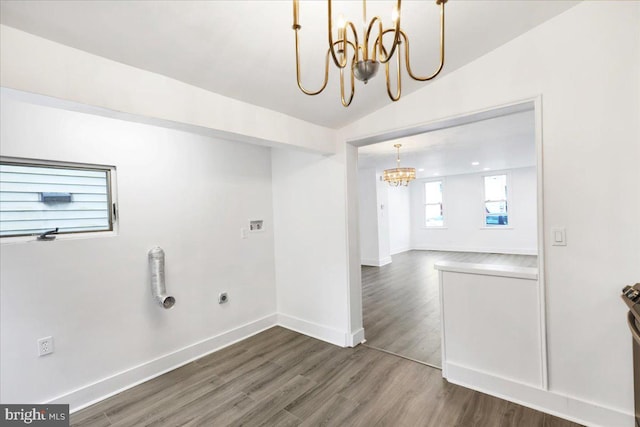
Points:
point(245, 49)
point(504, 142)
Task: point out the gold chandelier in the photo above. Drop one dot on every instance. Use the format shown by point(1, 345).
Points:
point(399, 176)
point(365, 56)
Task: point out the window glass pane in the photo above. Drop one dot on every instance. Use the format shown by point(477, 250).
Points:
point(34, 199)
point(495, 187)
point(496, 207)
point(433, 192)
point(433, 215)
point(495, 196)
point(497, 220)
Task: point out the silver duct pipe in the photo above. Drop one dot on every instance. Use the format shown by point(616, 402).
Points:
point(158, 288)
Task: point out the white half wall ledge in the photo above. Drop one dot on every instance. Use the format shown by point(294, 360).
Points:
point(564, 406)
point(488, 269)
point(36, 65)
point(508, 251)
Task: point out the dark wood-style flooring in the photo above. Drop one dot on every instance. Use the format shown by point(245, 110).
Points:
point(283, 378)
point(401, 302)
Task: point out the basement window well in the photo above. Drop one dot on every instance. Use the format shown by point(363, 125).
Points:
point(37, 197)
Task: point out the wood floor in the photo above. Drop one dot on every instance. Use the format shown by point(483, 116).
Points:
point(401, 305)
point(282, 378)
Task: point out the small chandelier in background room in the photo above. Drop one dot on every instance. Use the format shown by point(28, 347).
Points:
point(399, 176)
point(366, 50)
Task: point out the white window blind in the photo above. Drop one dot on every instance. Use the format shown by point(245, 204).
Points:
point(35, 198)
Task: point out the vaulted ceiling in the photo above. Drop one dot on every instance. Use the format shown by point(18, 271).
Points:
point(245, 49)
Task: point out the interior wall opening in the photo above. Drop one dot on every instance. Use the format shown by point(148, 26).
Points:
point(475, 199)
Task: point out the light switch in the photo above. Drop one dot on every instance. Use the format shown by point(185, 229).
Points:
point(244, 233)
point(558, 237)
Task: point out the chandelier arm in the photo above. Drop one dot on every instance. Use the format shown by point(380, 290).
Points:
point(346, 103)
point(299, 80)
point(396, 36)
point(399, 86)
point(339, 64)
point(406, 50)
point(378, 42)
point(355, 45)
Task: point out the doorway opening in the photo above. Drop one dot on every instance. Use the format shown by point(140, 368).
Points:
point(476, 198)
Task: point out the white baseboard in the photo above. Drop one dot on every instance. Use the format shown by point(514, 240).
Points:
point(114, 384)
point(356, 338)
point(376, 262)
point(315, 330)
point(509, 251)
point(385, 261)
point(399, 251)
point(580, 411)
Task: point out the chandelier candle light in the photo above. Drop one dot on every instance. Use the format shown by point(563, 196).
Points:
point(366, 51)
point(399, 176)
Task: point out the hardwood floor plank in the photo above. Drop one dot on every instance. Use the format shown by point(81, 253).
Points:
point(124, 401)
point(377, 372)
point(282, 419)
point(90, 419)
point(334, 412)
point(551, 421)
point(520, 416)
point(420, 391)
point(224, 414)
point(269, 382)
point(150, 411)
point(332, 382)
point(483, 411)
point(274, 403)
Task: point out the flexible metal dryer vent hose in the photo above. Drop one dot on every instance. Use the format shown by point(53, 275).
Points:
point(158, 288)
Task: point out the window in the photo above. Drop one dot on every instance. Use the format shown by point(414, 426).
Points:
point(35, 198)
point(433, 211)
point(495, 201)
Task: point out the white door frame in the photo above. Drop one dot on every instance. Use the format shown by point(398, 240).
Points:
point(355, 280)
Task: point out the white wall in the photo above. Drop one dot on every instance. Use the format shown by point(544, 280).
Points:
point(464, 231)
point(368, 217)
point(399, 213)
point(384, 243)
point(188, 194)
point(585, 64)
point(310, 245)
point(375, 239)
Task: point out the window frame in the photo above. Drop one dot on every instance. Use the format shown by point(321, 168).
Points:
point(509, 212)
point(424, 203)
point(64, 235)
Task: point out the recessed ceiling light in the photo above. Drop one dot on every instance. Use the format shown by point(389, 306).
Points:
point(486, 169)
point(421, 170)
point(475, 163)
point(436, 174)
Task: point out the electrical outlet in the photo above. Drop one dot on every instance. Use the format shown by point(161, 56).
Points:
point(222, 298)
point(45, 346)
